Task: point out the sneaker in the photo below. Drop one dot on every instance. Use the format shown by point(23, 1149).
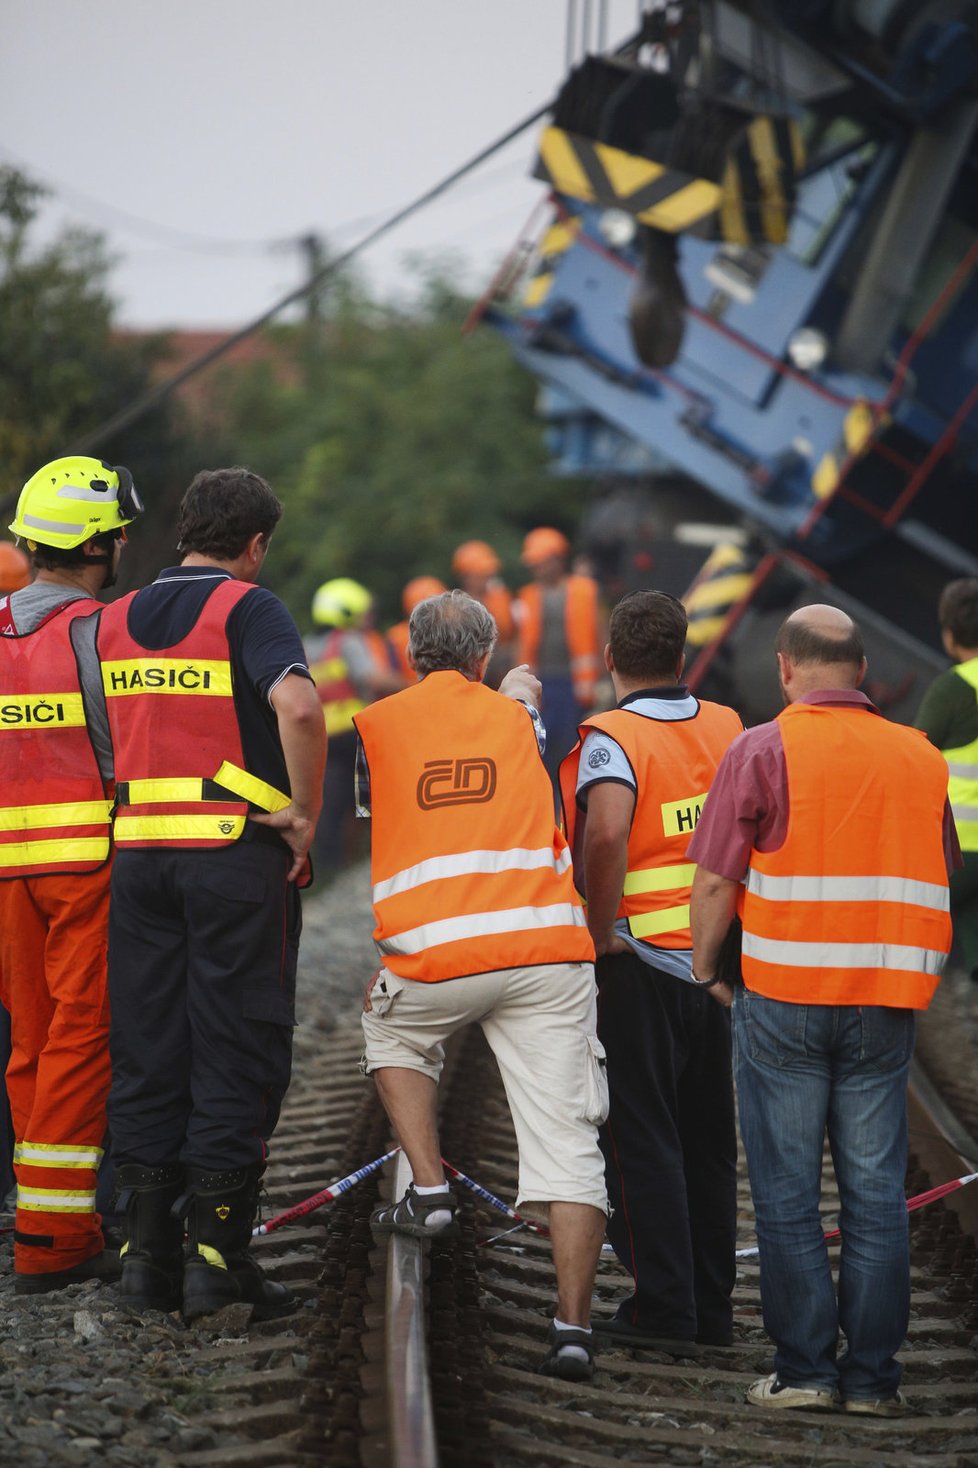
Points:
point(769, 1392)
point(576, 1364)
point(620, 1332)
point(104, 1266)
point(878, 1406)
point(410, 1214)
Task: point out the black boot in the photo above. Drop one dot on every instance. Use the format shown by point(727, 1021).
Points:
point(218, 1269)
point(152, 1256)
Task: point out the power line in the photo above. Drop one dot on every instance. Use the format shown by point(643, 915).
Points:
point(182, 239)
point(162, 390)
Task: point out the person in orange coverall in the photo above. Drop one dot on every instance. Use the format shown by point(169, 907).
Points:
point(417, 590)
point(55, 799)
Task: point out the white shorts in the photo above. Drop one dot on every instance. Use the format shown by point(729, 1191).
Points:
point(541, 1024)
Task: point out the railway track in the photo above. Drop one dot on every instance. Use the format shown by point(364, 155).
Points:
point(314, 1389)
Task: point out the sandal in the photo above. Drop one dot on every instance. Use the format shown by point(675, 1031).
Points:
point(409, 1215)
point(569, 1366)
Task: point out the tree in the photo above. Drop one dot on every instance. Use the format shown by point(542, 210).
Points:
point(63, 369)
point(403, 439)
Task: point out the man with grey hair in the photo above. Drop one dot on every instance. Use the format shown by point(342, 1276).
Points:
point(478, 921)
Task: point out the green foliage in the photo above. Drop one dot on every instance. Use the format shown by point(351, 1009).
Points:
point(403, 439)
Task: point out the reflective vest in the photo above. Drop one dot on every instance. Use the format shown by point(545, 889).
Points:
point(962, 763)
point(337, 691)
point(397, 637)
point(499, 603)
point(674, 762)
point(580, 630)
point(55, 811)
point(853, 908)
point(469, 872)
point(180, 777)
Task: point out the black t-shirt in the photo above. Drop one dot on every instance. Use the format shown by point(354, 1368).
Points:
point(264, 644)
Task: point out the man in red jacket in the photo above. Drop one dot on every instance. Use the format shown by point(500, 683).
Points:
point(55, 794)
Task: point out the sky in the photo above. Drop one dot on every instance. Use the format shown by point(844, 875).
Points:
point(204, 138)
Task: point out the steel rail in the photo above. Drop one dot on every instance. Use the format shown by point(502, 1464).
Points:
point(413, 1443)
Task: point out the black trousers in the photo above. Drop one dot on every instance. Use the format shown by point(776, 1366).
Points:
point(203, 947)
point(670, 1148)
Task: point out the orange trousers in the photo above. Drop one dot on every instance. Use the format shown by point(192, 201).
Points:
point(53, 952)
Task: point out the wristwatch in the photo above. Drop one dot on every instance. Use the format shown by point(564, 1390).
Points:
point(705, 983)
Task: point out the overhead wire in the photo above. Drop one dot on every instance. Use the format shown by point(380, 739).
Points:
point(182, 239)
point(161, 390)
point(156, 394)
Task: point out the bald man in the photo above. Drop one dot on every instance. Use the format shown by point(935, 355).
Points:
point(838, 824)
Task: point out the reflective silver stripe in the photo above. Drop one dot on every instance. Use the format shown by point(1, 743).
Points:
point(843, 955)
point(483, 925)
point(468, 863)
point(48, 1154)
point(848, 889)
point(965, 812)
point(962, 772)
point(66, 527)
point(55, 1200)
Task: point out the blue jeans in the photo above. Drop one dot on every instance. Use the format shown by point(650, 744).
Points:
point(803, 1070)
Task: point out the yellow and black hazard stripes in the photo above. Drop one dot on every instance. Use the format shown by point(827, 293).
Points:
point(753, 201)
point(859, 428)
point(759, 182)
point(556, 239)
point(599, 174)
point(727, 576)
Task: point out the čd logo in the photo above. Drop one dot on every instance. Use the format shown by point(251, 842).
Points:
point(456, 782)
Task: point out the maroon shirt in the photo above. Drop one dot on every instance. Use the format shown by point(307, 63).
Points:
point(747, 807)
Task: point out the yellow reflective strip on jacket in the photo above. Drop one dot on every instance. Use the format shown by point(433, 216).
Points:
point(249, 787)
point(36, 817)
point(339, 716)
point(184, 676)
point(327, 671)
point(55, 1200)
point(27, 853)
point(659, 879)
point(679, 817)
point(211, 827)
point(157, 792)
point(666, 920)
point(41, 711)
point(56, 1154)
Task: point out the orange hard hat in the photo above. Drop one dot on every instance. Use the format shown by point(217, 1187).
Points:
point(543, 543)
point(475, 558)
point(15, 568)
point(419, 590)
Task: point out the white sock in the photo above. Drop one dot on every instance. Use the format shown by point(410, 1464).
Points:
point(438, 1217)
point(571, 1352)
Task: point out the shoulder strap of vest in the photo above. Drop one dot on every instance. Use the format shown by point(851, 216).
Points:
point(79, 606)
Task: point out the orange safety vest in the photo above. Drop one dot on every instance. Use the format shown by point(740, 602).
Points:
point(674, 762)
point(499, 603)
point(55, 812)
point(580, 630)
point(179, 770)
point(469, 872)
point(853, 908)
point(397, 637)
